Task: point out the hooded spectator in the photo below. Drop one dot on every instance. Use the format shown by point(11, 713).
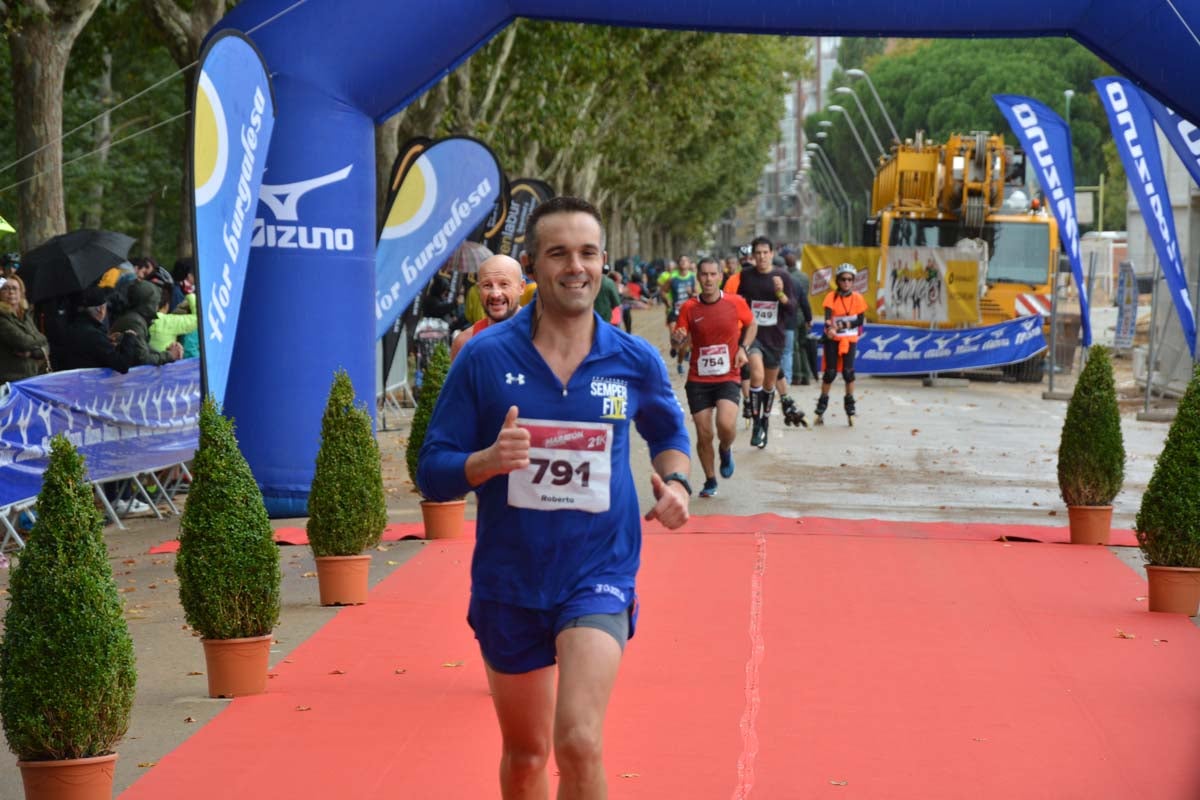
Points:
point(86, 341)
point(142, 309)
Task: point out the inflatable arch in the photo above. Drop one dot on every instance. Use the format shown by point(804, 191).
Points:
point(341, 66)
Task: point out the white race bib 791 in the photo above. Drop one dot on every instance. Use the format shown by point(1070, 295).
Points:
point(570, 467)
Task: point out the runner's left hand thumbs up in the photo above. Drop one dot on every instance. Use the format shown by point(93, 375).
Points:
point(511, 448)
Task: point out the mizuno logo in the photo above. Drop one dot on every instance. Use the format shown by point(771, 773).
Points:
point(971, 339)
point(881, 342)
point(518, 379)
point(942, 341)
point(913, 341)
point(284, 198)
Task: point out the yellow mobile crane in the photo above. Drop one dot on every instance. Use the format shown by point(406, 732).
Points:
point(971, 187)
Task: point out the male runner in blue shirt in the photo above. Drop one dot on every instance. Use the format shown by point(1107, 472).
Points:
point(535, 417)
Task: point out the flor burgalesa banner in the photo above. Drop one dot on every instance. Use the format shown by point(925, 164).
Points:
point(443, 197)
point(1133, 130)
point(1046, 139)
point(231, 132)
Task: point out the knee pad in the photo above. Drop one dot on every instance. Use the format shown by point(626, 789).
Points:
point(848, 375)
point(828, 375)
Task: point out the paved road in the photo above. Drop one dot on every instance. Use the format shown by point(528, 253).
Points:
point(984, 452)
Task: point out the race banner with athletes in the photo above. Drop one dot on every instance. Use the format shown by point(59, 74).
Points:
point(232, 121)
point(931, 284)
point(1133, 131)
point(126, 424)
point(448, 191)
point(525, 194)
point(818, 262)
point(1181, 133)
point(904, 350)
point(1046, 139)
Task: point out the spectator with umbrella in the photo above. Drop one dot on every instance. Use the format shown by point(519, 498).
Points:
point(56, 271)
point(86, 342)
point(23, 348)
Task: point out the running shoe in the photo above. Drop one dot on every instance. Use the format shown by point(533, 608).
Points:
point(726, 463)
point(758, 436)
point(710, 488)
point(674, 352)
point(679, 368)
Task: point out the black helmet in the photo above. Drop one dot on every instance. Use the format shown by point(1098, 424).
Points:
point(161, 277)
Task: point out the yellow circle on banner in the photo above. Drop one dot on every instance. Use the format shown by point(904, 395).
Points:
point(210, 148)
point(414, 201)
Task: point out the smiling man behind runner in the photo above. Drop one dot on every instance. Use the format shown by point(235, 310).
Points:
point(718, 328)
point(501, 281)
point(535, 416)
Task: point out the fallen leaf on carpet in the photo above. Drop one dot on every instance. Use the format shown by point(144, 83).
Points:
point(271, 675)
point(304, 708)
point(337, 672)
point(839, 783)
point(630, 775)
point(1123, 635)
point(1143, 597)
point(401, 671)
point(1161, 641)
point(454, 663)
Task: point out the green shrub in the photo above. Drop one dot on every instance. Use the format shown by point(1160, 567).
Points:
point(228, 563)
point(431, 387)
point(346, 507)
point(67, 670)
point(1168, 523)
point(1091, 453)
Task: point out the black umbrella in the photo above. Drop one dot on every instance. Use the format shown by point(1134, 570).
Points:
point(71, 262)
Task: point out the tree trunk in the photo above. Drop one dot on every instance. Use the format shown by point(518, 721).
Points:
point(40, 50)
point(146, 244)
point(93, 216)
point(387, 147)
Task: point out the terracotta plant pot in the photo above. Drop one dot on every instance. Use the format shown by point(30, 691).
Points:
point(1090, 524)
point(343, 579)
point(1175, 590)
point(69, 779)
point(444, 520)
point(237, 667)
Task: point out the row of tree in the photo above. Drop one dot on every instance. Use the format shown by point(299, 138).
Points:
point(663, 130)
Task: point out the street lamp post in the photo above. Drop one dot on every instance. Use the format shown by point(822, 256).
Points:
point(823, 185)
point(857, 138)
point(813, 147)
point(1068, 93)
point(858, 73)
point(866, 119)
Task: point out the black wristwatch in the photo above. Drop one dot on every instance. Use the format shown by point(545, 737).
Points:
point(681, 479)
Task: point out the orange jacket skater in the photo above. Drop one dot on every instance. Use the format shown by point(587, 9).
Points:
point(845, 311)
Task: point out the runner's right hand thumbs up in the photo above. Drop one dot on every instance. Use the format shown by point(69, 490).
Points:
point(511, 448)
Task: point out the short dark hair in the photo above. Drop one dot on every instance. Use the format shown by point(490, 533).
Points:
point(761, 240)
point(708, 260)
point(563, 204)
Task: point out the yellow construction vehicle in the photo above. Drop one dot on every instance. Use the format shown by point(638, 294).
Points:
point(970, 188)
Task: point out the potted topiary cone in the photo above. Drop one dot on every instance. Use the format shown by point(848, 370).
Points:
point(346, 506)
point(1091, 453)
point(1168, 522)
point(442, 520)
point(228, 562)
point(67, 669)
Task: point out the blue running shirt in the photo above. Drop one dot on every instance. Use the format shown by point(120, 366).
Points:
point(570, 521)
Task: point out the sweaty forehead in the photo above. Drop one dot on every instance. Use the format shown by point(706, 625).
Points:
point(494, 273)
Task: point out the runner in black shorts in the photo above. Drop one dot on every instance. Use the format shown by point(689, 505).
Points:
point(716, 326)
point(769, 291)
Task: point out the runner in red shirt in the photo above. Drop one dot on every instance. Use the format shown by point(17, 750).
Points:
point(501, 281)
point(717, 326)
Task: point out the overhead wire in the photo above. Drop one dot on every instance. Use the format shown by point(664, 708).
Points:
point(124, 102)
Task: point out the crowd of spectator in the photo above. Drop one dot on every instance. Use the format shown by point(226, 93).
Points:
point(136, 313)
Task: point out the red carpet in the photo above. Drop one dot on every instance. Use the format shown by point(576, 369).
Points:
point(775, 524)
point(765, 666)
